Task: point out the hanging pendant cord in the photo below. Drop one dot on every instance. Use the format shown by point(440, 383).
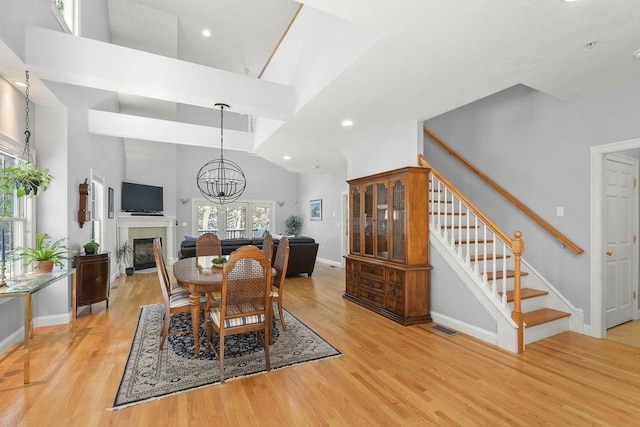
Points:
point(26, 154)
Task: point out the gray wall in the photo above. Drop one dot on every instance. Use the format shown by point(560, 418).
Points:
point(328, 232)
point(538, 148)
point(64, 146)
point(265, 181)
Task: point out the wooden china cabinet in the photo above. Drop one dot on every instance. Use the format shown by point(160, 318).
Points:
point(388, 263)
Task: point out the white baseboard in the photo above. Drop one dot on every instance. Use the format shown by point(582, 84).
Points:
point(329, 262)
point(474, 331)
point(11, 340)
point(17, 336)
point(57, 319)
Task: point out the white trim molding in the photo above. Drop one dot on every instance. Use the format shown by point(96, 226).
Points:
point(597, 322)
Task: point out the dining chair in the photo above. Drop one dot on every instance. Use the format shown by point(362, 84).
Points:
point(208, 244)
point(267, 246)
point(245, 301)
point(176, 302)
point(157, 246)
point(280, 264)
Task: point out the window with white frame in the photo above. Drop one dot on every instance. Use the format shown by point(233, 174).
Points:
point(68, 14)
point(246, 219)
point(97, 196)
point(16, 223)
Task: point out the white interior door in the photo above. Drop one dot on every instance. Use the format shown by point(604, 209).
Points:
point(620, 219)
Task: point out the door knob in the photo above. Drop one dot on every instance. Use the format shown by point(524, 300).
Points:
point(609, 253)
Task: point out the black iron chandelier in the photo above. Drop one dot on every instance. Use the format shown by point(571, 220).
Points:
point(221, 181)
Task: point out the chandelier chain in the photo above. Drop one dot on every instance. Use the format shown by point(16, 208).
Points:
point(26, 154)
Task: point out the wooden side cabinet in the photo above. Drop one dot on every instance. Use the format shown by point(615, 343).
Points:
point(92, 278)
point(387, 268)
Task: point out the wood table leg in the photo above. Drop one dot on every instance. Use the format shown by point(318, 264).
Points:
point(27, 333)
point(195, 319)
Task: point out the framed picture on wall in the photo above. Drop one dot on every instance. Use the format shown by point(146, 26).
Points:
point(110, 203)
point(315, 209)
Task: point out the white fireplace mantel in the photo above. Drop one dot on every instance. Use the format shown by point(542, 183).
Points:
point(127, 222)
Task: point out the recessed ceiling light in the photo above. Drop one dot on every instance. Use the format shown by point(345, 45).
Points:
point(21, 84)
point(206, 32)
point(346, 123)
point(589, 45)
point(569, 1)
point(637, 53)
point(286, 157)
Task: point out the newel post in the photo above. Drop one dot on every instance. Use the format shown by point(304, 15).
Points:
point(517, 247)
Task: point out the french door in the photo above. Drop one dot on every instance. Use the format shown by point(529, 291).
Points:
point(235, 220)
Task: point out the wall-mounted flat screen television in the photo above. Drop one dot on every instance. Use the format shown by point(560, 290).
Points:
point(141, 198)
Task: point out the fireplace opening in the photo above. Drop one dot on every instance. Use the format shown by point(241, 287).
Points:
point(143, 254)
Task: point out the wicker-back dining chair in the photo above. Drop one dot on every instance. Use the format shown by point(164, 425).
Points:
point(245, 301)
point(176, 300)
point(280, 264)
point(208, 244)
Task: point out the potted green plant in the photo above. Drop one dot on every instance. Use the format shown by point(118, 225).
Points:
point(123, 254)
point(91, 247)
point(26, 178)
point(46, 254)
point(292, 225)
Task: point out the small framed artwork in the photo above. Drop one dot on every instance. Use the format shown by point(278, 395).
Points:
point(110, 203)
point(315, 207)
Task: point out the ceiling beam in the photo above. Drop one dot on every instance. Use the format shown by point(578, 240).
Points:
point(144, 128)
point(64, 58)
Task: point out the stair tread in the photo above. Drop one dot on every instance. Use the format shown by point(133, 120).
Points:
point(472, 241)
point(526, 293)
point(488, 257)
point(544, 315)
point(510, 273)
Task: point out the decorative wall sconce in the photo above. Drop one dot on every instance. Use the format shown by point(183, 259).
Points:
point(184, 201)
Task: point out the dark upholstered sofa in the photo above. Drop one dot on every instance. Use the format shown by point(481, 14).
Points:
point(302, 252)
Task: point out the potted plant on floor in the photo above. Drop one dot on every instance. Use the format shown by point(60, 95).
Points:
point(123, 254)
point(292, 225)
point(46, 254)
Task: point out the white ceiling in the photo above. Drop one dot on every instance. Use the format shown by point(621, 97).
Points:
point(423, 58)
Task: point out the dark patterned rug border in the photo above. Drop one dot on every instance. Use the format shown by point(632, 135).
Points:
point(137, 345)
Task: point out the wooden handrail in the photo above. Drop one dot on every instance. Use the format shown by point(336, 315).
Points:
point(516, 245)
point(481, 216)
point(538, 219)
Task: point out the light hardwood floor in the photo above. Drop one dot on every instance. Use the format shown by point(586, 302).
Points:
point(388, 374)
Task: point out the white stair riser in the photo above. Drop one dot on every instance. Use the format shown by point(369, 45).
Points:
point(545, 330)
point(532, 304)
point(489, 265)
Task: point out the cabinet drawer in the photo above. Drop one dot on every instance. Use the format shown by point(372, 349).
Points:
point(372, 270)
point(372, 297)
point(370, 284)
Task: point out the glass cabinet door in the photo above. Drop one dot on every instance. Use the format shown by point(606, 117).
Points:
point(368, 220)
point(399, 220)
point(382, 238)
point(356, 236)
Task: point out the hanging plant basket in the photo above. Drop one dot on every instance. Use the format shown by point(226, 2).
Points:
point(27, 179)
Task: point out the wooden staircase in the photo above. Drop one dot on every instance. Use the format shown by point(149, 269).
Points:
point(474, 243)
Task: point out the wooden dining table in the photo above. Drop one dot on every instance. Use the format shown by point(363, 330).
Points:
point(199, 276)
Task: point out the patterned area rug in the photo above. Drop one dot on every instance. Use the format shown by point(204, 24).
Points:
point(151, 373)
